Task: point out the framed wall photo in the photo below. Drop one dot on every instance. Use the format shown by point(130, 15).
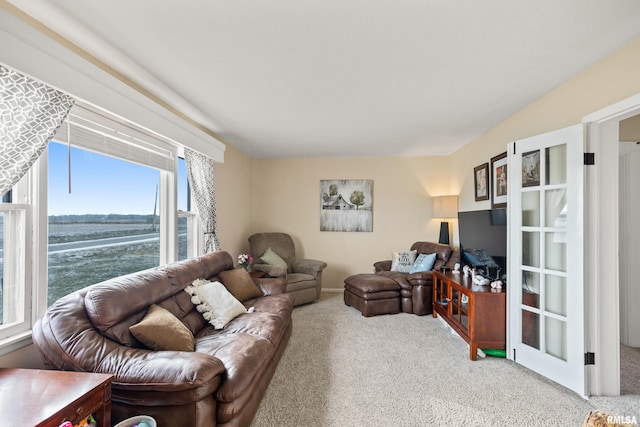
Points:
point(499, 181)
point(346, 205)
point(531, 168)
point(481, 182)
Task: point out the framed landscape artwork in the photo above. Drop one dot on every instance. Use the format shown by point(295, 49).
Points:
point(346, 205)
point(499, 181)
point(481, 181)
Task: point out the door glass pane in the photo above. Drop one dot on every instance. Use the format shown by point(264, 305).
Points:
point(531, 329)
point(531, 289)
point(556, 165)
point(531, 249)
point(556, 338)
point(531, 209)
point(556, 208)
point(555, 299)
point(531, 168)
point(555, 251)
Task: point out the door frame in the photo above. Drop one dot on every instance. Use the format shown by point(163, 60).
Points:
point(601, 240)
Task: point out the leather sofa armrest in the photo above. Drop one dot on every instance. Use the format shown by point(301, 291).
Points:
point(382, 265)
point(271, 285)
point(270, 270)
point(420, 278)
point(141, 369)
point(453, 259)
point(308, 266)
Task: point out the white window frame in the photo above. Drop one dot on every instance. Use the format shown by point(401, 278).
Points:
point(17, 269)
point(30, 196)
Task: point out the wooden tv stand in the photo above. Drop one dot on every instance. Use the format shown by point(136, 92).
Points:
point(477, 313)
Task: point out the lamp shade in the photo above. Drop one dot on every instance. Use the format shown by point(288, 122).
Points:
point(445, 206)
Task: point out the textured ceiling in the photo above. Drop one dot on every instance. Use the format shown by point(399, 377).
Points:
point(287, 78)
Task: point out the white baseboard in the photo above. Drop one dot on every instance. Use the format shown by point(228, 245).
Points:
point(341, 290)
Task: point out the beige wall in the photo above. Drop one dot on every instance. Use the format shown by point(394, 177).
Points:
point(609, 81)
point(283, 194)
point(233, 200)
point(286, 197)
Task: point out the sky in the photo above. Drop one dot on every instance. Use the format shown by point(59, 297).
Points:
point(102, 184)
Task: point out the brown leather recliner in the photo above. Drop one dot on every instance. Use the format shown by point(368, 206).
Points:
point(303, 276)
point(416, 289)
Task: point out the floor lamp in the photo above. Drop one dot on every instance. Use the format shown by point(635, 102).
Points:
point(445, 207)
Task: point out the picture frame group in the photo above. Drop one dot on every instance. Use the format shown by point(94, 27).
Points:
point(490, 181)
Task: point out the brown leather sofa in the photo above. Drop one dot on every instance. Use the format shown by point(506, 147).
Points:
point(416, 289)
point(220, 383)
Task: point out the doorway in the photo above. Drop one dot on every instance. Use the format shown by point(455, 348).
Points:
point(601, 246)
point(629, 241)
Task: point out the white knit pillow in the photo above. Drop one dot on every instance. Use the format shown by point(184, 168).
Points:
point(217, 305)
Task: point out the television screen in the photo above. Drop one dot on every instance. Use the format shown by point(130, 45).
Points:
point(483, 242)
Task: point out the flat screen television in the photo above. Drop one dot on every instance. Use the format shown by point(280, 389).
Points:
point(483, 242)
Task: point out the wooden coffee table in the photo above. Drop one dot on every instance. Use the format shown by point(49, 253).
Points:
point(35, 397)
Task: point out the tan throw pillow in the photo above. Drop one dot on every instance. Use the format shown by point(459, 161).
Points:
point(274, 259)
point(240, 284)
point(159, 329)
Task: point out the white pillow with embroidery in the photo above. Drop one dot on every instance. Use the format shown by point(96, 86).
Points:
point(402, 261)
point(217, 305)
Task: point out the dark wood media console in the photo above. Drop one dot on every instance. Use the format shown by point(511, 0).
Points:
point(477, 313)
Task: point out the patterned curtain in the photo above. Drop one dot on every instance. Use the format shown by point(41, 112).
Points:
point(201, 179)
point(30, 115)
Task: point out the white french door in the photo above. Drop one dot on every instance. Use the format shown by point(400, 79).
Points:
point(545, 265)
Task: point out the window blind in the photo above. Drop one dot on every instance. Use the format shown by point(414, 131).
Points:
point(107, 135)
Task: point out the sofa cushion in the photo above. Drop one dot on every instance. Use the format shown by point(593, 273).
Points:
point(217, 305)
point(269, 326)
point(240, 284)
point(399, 278)
point(112, 314)
point(161, 330)
point(298, 281)
point(424, 262)
point(402, 261)
point(243, 356)
point(280, 303)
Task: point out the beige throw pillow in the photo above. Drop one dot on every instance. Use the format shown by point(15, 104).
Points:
point(159, 329)
point(240, 284)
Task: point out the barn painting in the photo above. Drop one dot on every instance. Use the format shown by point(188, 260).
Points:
point(346, 205)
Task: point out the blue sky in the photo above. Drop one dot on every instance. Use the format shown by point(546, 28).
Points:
point(102, 184)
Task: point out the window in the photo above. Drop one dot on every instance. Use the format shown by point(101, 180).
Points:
point(129, 199)
point(15, 282)
point(188, 227)
point(107, 226)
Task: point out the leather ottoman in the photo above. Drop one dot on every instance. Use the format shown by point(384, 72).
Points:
point(372, 294)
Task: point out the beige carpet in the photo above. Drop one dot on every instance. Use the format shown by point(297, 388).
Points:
point(342, 369)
